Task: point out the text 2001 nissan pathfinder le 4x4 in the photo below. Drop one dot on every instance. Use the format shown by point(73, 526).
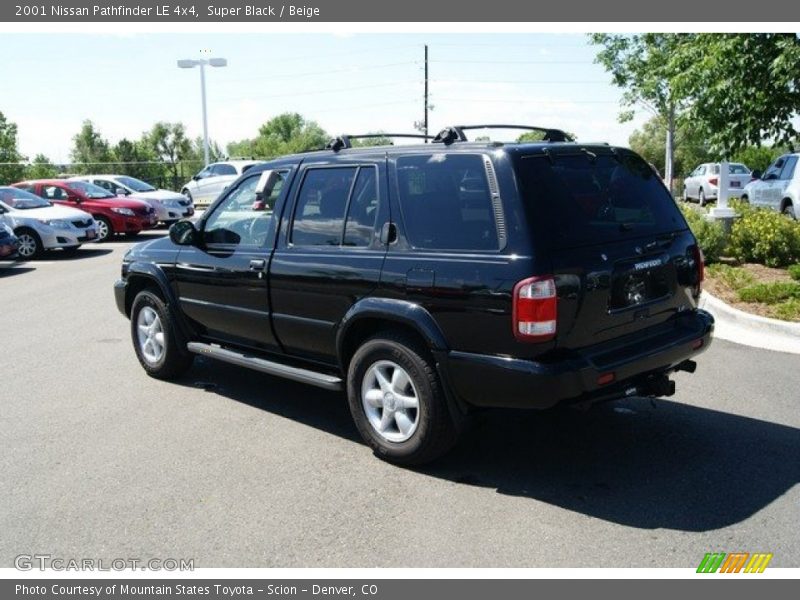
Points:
point(431, 279)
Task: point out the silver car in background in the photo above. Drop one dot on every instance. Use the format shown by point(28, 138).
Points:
point(41, 225)
point(702, 184)
point(778, 188)
point(168, 206)
point(209, 183)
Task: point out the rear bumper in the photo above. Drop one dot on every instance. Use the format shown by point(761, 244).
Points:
point(496, 381)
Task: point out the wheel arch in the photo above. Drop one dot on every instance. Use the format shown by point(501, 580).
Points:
point(143, 276)
point(370, 315)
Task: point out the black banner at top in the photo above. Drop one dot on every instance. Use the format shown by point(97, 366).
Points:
point(439, 11)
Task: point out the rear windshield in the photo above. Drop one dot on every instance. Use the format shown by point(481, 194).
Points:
point(583, 199)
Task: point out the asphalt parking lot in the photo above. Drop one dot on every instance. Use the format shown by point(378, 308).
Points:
point(234, 469)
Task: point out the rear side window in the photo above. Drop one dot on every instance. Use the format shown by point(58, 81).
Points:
point(224, 170)
point(584, 199)
point(321, 206)
point(446, 202)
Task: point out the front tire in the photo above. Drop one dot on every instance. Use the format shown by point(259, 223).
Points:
point(788, 210)
point(159, 347)
point(397, 401)
point(30, 244)
point(104, 229)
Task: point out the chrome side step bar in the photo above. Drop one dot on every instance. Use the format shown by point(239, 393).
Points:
point(328, 382)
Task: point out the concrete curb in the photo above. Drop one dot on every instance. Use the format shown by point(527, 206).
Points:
point(751, 330)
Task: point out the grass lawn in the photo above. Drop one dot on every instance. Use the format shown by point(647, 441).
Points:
point(756, 289)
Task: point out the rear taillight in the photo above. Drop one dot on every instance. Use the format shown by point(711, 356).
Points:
point(699, 265)
point(713, 181)
point(534, 310)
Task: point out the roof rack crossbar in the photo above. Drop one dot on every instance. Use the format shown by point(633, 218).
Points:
point(344, 141)
point(455, 133)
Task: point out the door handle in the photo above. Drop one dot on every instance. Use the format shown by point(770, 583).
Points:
point(258, 264)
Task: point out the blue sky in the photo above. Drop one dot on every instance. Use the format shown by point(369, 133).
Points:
point(350, 83)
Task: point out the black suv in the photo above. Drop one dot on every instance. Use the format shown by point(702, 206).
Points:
point(432, 279)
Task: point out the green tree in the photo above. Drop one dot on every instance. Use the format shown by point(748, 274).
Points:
point(169, 143)
point(137, 159)
point(743, 88)
point(378, 139)
point(215, 151)
point(287, 133)
point(690, 148)
point(758, 157)
point(13, 172)
point(641, 65)
point(90, 150)
point(41, 168)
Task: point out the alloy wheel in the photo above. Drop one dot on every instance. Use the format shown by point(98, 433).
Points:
point(390, 401)
point(150, 334)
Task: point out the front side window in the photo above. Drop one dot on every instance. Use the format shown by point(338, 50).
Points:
point(788, 169)
point(321, 205)
point(237, 221)
point(53, 192)
point(774, 170)
point(106, 185)
point(446, 203)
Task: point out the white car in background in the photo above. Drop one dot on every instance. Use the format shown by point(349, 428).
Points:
point(778, 188)
point(169, 206)
point(41, 226)
point(209, 183)
point(702, 184)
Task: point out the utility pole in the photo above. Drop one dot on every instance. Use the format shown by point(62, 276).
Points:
point(426, 92)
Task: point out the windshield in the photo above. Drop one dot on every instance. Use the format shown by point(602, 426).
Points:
point(20, 199)
point(137, 185)
point(585, 199)
point(90, 190)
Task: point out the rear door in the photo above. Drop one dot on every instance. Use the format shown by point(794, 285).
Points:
point(622, 254)
point(329, 253)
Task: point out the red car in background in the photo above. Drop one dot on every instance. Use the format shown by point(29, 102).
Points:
point(114, 215)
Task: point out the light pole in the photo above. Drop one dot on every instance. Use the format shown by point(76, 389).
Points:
point(190, 63)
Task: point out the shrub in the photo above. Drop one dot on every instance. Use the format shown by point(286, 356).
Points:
point(710, 235)
point(794, 272)
point(735, 278)
point(765, 237)
point(770, 293)
point(789, 310)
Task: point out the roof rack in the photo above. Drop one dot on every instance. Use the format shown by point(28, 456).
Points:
point(342, 142)
point(455, 133)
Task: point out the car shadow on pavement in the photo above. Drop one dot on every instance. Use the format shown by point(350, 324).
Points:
point(635, 462)
point(78, 254)
point(649, 465)
point(10, 270)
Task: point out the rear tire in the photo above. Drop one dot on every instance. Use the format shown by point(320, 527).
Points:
point(159, 346)
point(685, 194)
point(397, 401)
point(745, 199)
point(30, 244)
point(701, 197)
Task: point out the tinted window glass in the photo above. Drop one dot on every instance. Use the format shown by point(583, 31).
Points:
point(577, 200)
point(788, 168)
point(106, 185)
point(446, 203)
point(53, 192)
point(224, 170)
point(237, 221)
point(774, 170)
point(735, 169)
point(321, 204)
point(362, 210)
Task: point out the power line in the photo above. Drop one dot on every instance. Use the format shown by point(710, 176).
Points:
point(325, 91)
point(314, 73)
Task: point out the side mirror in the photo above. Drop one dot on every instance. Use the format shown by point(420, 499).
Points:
point(122, 192)
point(184, 233)
point(197, 177)
point(756, 174)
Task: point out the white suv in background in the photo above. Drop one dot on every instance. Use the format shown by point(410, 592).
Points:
point(169, 206)
point(212, 181)
point(41, 226)
point(778, 188)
